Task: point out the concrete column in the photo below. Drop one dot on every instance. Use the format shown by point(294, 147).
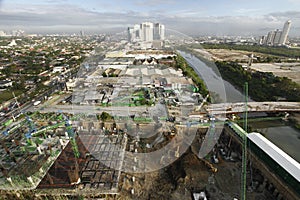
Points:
point(61, 141)
point(39, 150)
point(66, 134)
point(30, 180)
point(9, 180)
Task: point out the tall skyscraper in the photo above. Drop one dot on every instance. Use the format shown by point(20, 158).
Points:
point(159, 32)
point(162, 32)
point(285, 32)
point(270, 38)
point(146, 32)
point(137, 31)
point(277, 37)
point(81, 33)
point(130, 34)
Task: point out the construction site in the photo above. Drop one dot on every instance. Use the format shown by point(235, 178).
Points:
point(115, 136)
point(89, 177)
point(218, 174)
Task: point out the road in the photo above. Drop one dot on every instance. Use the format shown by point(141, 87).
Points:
point(228, 108)
point(90, 109)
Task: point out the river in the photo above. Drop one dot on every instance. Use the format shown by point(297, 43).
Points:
point(213, 80)
point(285, 137)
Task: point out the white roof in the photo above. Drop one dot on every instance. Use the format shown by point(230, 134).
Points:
point(158, 71)
point(287, 162)
point(144, 71)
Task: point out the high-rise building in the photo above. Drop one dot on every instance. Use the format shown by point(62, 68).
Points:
point(159, 32)
point(156, 35)
point(162, 32)
point(277, 37)
point(262, 40)
point(285, 32)
point(134, 33)
point(270, 38)
point(137, 31)
point(81, 33)
point(146, 32)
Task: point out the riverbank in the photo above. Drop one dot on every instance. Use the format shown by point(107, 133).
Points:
point(294, 119)
point(263, 86)
point(220, 90)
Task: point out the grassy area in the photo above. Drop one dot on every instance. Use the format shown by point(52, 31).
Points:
point(276, 51)
point(142, 119)
point(7, 95)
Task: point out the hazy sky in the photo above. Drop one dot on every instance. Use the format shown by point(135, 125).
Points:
point(192, 17)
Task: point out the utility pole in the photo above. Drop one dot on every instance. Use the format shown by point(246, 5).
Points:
point(244, 147)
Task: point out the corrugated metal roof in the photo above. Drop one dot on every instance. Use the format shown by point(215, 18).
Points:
point(287, 162)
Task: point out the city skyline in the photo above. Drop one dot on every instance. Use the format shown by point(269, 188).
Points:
point(237, 17)
point(277, 37)
point(146, 31)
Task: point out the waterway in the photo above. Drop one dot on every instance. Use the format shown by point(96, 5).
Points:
point(277, 131)
point(213, 80)
point(285, 137)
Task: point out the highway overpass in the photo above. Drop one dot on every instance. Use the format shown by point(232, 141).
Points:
point(233, 108)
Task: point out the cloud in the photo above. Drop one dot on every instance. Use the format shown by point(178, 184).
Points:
point(155, 2)
point(56, 18)
point(56, 1)
point(294, 1)
point(64, 21)
point(287, 14)
point(247, 11)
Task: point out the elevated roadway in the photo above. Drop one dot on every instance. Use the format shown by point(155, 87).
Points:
point(232, 108)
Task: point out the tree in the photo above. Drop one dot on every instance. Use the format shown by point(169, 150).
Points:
point(105, 116)
point(18, 86)
point(104, 74)
point(7, 71)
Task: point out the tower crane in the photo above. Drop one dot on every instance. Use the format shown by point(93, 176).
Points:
point(71, 134)
point(244, 147)
point(31, 127)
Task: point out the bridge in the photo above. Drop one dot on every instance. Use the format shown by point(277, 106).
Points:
point(233, 108)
